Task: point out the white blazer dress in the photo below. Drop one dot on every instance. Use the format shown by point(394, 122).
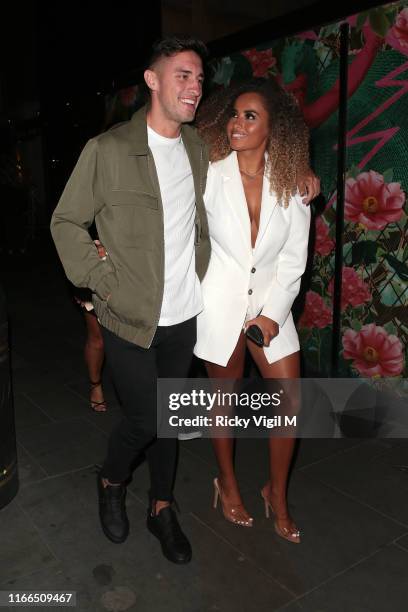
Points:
point(242, 282)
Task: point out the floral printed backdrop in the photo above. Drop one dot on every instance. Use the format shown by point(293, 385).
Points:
point(375, 252)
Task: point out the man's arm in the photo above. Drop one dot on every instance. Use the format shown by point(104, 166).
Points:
point(80, 202)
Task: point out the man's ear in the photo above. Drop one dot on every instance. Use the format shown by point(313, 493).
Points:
point(151, 79)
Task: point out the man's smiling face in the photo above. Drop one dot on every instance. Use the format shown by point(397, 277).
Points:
point(176, 85)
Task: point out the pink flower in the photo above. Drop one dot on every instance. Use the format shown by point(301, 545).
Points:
point(354, 291)
point(372, 202)
point(352, 20)
point(397, 36)
point(260, 61)
point(374, 352)
point(323, 243)
point(316, 313)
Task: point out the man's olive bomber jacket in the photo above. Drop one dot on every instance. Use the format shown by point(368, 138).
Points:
point(115, 183)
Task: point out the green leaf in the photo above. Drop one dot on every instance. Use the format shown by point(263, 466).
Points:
point(390, 328)
point(307, 65)
point(343, 369)
point(364, 252)
point(330, 215)
point(400, 267)
point(353, 171)
point(333, 28)
point(391, 13)
point(224, 72)
point(347, 254)
point(356, 324)
point(388, 175)
point(379, 22)
point(290, 58)
point(390, 241)
point(242, 67)
point(361, 19)
point(388, 296)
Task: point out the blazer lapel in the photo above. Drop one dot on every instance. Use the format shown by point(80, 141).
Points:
point(268, 205)
point(234, 190)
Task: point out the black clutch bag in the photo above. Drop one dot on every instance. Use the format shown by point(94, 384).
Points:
point(255, 334)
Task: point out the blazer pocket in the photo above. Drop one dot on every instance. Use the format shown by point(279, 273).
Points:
point(130, 197)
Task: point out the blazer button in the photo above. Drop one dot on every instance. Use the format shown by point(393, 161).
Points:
point(253, 270)
point(250, 292)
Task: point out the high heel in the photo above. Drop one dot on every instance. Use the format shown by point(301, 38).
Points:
point(283, 532)
point(97, 406)
point(231, 513)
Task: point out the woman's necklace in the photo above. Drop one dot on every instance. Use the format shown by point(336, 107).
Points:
point(252, 175)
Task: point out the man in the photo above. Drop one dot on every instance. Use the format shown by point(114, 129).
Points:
point(143, 183)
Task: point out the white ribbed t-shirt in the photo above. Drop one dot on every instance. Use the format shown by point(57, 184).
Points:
point(182, 291)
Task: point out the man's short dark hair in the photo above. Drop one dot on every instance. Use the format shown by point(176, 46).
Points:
point(170, 45)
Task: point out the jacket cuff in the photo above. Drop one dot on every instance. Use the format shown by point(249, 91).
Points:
point(278, 305)
point(106, 285)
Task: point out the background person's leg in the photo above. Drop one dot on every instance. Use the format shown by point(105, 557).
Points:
point(94, 356)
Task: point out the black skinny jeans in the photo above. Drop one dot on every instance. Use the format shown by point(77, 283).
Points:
point(135, 371)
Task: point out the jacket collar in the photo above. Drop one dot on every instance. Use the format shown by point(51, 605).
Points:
point(138, 127)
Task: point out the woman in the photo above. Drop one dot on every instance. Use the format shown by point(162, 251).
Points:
point(259, 234)
point(94, 351)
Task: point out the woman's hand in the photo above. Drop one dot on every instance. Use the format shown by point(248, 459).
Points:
point(270, 329)
point(102, 252)
point(309, 185)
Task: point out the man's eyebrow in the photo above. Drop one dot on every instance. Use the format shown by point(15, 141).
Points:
point(186, 71)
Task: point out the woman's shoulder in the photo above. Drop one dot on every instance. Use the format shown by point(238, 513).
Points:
point(220, 165)
point(215, 180)
point(216, 169)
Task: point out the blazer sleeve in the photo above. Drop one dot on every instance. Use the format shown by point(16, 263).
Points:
point(290, 266)
point(80, 202)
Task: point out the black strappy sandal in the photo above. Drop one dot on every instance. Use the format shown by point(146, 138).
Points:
point(97, 406)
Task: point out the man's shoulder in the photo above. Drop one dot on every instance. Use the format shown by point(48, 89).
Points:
point(130, 134)
point(120, 132)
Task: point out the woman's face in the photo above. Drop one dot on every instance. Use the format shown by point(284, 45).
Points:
point(248, 128)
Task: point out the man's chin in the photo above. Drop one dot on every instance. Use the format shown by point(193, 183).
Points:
point(186, 112)
point(188, 116)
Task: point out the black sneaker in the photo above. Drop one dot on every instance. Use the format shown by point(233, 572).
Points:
point(112, 511)
point(166, 528)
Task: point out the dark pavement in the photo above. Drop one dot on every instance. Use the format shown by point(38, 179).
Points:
point(349, 497)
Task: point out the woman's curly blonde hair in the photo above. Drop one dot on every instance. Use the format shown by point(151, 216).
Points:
point(288, 146)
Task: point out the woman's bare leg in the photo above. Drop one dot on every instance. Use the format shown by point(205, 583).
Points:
point(280, 449)
point(224, 447)
point(94, 356)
